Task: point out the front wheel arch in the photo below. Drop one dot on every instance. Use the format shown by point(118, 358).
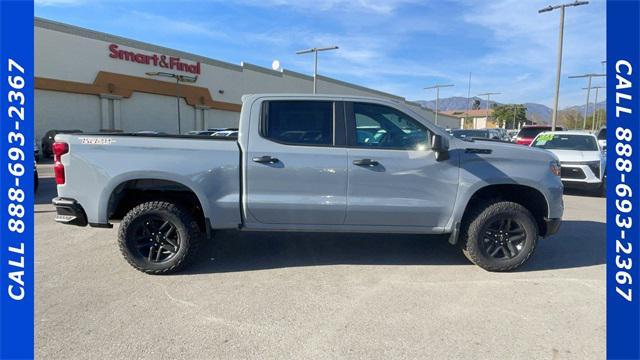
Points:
point(531, 198)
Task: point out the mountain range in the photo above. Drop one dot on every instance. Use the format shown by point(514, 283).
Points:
point(537, 112)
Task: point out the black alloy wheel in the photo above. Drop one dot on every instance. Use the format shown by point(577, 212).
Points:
point(156, 239)
point(499, 235)
point(159, 237)
point(503, 238)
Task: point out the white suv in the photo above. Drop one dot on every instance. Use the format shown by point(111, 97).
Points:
point(582, 159)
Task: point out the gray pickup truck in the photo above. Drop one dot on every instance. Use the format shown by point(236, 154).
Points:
point(310, 163)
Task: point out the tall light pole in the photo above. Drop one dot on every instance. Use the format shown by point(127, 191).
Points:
point(515, 109)
point(586, 108)
point(437, 87)
point(560, 40)
point(488, 95)
point(595, 107)
point(179, 78)
point(468, 97)
point(315, 52)
point(604, 83)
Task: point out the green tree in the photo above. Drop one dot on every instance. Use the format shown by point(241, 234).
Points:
point(600, 120)
point(570, 119)
point(509, 115)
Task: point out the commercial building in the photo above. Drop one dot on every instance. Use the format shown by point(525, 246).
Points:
point(477, 119)
point(94, 81)
point(473, 118)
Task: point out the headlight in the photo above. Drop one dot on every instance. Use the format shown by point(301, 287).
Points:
point(555, 167)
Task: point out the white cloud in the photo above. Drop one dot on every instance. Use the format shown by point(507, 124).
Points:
point(374, 6)
point(170, 25)
point(525, 42)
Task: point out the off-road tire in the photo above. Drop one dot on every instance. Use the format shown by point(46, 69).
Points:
point(189, 233)
point(474, 229)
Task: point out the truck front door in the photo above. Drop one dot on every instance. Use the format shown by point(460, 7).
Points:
point(296, 173)
point(394, 178)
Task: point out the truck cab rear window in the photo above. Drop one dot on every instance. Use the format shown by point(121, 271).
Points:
point(299, 122)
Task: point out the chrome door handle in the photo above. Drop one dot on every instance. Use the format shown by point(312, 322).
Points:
point(365, 162)
point(266, 159)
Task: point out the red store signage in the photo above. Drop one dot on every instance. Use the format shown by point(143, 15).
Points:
point(163, 61)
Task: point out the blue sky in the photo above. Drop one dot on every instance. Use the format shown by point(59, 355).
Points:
point(398, 46)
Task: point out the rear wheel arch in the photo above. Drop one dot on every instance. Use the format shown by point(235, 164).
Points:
point(133, 192)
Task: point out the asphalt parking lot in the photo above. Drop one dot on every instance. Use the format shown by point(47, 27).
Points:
point(300, 296)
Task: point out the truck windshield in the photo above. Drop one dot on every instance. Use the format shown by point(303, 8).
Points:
point(566, 142)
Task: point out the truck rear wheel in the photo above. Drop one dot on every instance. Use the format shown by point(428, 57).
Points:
point(158, 237)
point(499, 236)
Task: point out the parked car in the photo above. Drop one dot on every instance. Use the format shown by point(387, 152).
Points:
point(226, 133)
point(601, 135)
point(201, 132)
point(504, 136)
point(49, 137)
point(512, 134)
point(36, 151)
point(371, 166)
point(36, 181)
point(476, 133)
point(529, 132)
point(584, 163)
point(150, 132)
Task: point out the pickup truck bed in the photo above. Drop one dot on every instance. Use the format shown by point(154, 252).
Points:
point(100, 167)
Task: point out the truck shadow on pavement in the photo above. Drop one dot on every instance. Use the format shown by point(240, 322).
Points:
point(46, 191)
point(578, 244)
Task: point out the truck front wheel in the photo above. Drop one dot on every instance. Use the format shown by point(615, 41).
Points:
point(158, 237)
point(499, 236)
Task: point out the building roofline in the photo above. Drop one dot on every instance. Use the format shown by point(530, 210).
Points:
point(97, 35)
point(249, 66)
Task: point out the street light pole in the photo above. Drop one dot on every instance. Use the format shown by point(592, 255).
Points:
point(596, 118)
point(315, 52)
point(179, 78)
point(560, 41)
point(437, 87)
point(488, 95)
point(178, 102)
point(589, 76)
point(595, 110)
point(515, 109)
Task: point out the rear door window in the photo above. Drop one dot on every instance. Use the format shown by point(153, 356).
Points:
point(299, 122)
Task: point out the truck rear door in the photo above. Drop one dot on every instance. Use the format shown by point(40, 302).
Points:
point(296, 169)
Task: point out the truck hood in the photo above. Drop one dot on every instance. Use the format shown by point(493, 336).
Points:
point(507, 150)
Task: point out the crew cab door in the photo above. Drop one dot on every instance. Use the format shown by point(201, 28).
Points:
point(394, 178)
point(296, 173)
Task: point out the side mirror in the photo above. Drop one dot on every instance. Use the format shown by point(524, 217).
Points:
point(440, 146)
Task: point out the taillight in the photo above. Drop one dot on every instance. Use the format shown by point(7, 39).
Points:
point(59, 149)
